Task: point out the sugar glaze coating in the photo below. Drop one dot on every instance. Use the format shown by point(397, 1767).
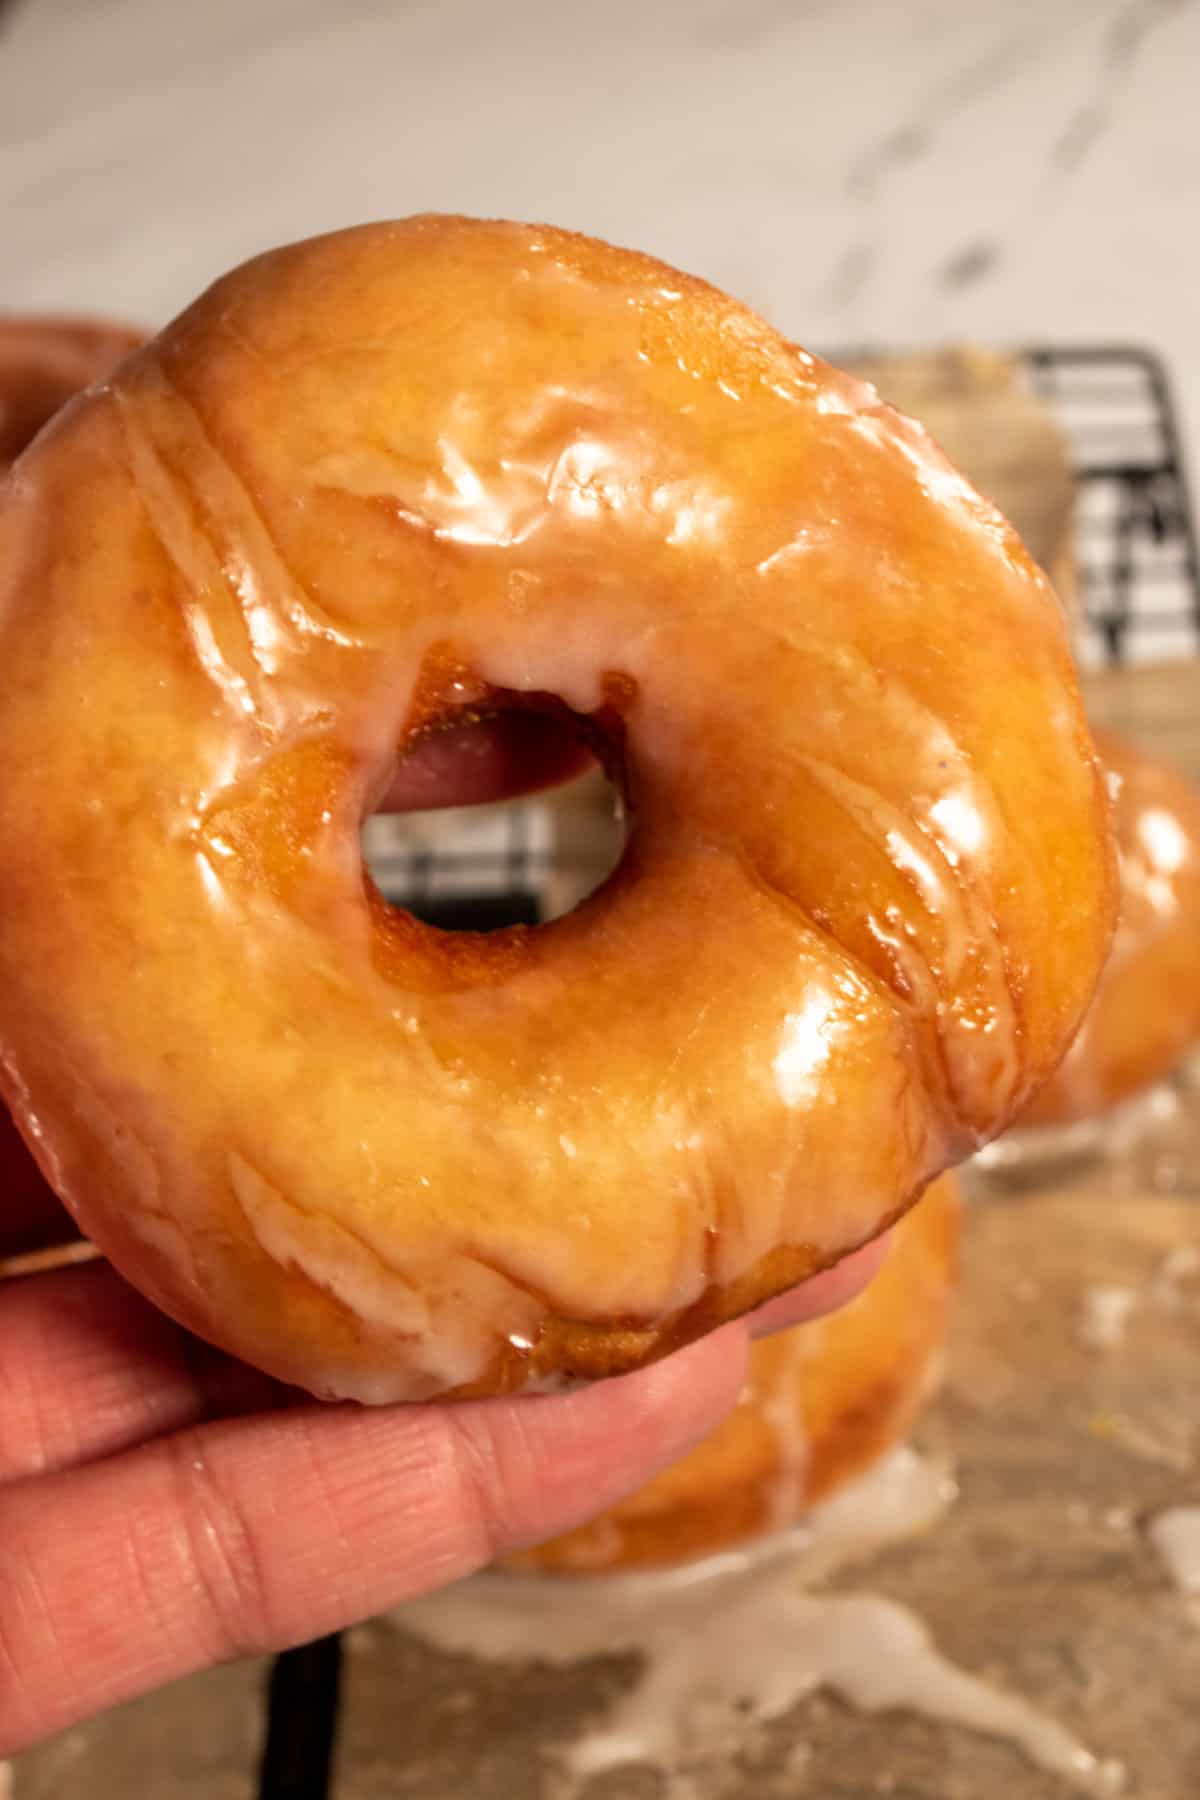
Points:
point(44, 361)
point(384, 478)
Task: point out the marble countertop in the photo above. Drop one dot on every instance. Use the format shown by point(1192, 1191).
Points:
point(860, 171)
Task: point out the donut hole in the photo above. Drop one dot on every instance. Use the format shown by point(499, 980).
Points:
point(493, 863)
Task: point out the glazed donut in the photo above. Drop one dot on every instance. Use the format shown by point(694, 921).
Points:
point(43, 362)
point(1146, 1013)
point(399, 476)
point(823, 1402)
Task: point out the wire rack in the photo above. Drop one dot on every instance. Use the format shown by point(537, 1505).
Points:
point(1135, 529)
point(1140, 584)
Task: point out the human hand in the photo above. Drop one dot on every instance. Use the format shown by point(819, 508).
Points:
point(164, 1508)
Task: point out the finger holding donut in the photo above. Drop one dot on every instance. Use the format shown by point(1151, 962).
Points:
point(397, 480)
point(163, 1509)
point(822, 1404)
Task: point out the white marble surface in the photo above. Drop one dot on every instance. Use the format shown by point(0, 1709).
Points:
point(887, 170)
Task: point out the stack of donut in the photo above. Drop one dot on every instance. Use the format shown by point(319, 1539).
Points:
point(43, 363)
point(1146, 1014)
point(410, 475)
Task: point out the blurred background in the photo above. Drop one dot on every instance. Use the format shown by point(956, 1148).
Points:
point(861, 171)
point(866, 174)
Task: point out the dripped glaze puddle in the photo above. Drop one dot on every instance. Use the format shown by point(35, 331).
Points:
point(1105, 1314)
point(740, 1639)
point(1175, 1534)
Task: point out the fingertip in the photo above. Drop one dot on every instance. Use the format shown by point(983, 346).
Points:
point(687, 1394)
point(595, 1446)
point(825, 1293)
point(514, 753)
